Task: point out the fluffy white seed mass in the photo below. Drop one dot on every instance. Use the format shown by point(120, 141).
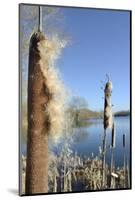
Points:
point(49, 51)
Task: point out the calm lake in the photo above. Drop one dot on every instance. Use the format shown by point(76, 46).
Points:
point(87, 140)
point(94, 137)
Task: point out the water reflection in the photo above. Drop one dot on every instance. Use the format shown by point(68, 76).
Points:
point(93, 136)
point(87, 141)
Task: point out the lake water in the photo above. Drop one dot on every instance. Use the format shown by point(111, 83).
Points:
point(87, 140)
point(92, 138)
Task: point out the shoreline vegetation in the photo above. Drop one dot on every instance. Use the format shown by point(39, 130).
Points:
point(122, 113)
point(69, 172)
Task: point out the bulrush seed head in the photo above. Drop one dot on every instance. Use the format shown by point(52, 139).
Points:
point(107, 106)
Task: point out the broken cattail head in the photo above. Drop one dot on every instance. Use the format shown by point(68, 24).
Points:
point(36, 38)
point(108, 88)
point(114, 175)
point(107, 106)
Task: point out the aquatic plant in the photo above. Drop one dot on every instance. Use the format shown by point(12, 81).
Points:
point(45, 108)
point(107, 124)
point(112, 171)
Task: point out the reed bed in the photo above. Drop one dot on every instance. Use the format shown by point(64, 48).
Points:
point(70, 173)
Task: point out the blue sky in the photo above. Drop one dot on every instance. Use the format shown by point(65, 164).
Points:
point(100, 44)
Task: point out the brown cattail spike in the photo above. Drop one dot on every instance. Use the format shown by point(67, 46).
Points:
point(46, 109)
point(113, 136)
point(107, 106)
point(37, 138)
point(124, 140)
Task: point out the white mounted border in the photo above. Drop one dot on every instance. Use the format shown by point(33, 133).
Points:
point(9, 99)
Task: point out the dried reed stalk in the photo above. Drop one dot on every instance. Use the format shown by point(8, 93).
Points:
point(104, 160)
point(124, 159)
point(55, 183)
point(112, 156)
point(128, 175)
point(70, 182)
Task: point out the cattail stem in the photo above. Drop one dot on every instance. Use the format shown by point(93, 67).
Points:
point(128, 176)
point(124, 159)
point(55, 184)
point(40, 18)
point(70, 182)
point(61, 181)
point(112, 185)
point(104, 160)
point(65, 177)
